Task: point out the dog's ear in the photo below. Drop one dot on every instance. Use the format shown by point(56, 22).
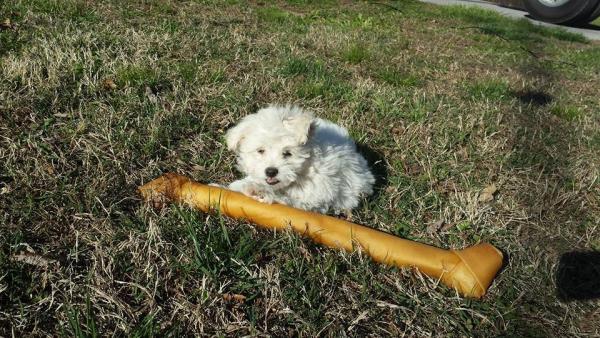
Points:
point(236, 134)
point(301, 124)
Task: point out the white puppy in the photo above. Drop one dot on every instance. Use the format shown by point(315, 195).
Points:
point(290, 157)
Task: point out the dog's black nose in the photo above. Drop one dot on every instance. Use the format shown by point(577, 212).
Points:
point(271, 172)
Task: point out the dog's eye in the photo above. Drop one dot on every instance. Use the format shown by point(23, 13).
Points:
point(287, 154)
point(261, 151)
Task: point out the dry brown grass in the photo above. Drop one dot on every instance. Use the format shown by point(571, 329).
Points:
point(96, 99)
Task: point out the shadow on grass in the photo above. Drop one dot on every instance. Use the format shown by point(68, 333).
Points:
point(544, 156)
point(578, 276)
point(588, 26)
point(533, 97)
point(379, 168)
point(495, 24)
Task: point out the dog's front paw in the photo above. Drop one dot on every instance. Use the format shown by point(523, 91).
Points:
point(264, 198)
point(253, 190)
point(258, 193)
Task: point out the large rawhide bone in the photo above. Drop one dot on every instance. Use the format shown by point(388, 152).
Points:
point(470, 271)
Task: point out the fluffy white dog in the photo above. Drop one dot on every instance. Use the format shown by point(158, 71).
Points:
point(290, 157)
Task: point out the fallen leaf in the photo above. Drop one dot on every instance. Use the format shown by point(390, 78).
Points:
point(434, 227)
point(445, 187)
point(6, 24)
point(397, 130)
point(158, 201)
point(487, 194)
point(413, 169)
point(234, 297)
point(150, 95)
point(446, 227)
point(462, 153)
point(32, 259)
point(109, 84)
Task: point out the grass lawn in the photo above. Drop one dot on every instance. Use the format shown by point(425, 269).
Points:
point(99, 97)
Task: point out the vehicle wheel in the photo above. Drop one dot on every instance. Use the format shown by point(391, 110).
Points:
point(595, 14)
point(574, 12)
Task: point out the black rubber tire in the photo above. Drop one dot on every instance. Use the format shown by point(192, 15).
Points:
point(595, 14)
point(573, 12)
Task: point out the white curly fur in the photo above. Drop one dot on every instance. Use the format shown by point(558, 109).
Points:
point(318, 167)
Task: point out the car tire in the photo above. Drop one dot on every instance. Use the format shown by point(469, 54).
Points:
point(569, 12)
point(595, 14)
